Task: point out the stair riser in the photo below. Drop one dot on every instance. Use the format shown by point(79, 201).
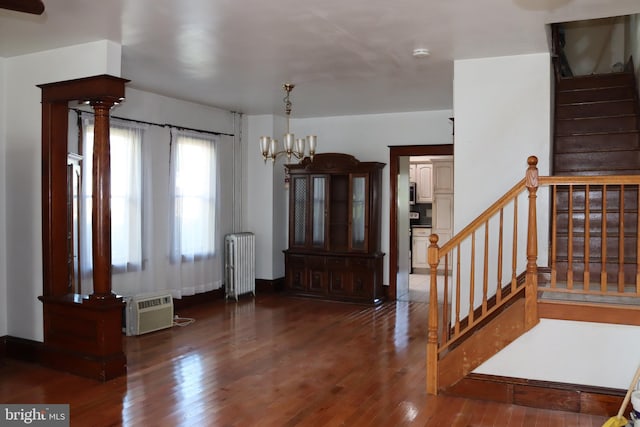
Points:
point(613, 162)
point(591, 95)
point(594, 275)
point(596, 109)
point(597, 143)
point(596, 125)
point(595, 224)
point(599, 80)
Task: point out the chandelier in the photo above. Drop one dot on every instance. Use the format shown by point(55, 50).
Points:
point(292, 146)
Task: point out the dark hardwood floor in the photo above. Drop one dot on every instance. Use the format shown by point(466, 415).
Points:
point(274, 361)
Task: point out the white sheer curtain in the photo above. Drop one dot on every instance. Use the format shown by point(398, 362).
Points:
point(167, 233)
point(195, 255)
point(126, 199)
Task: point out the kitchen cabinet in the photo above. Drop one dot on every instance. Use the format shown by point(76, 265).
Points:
point(419, 247)
point(424, 182)
point(442, 176)
point(335, 229)
point(442, 221)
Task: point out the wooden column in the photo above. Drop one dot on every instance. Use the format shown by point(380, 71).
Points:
point(101, 203)
point(531, 286)
point(82, 333)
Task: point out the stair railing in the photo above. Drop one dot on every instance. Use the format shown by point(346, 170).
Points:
point(465, 308)
point(602, 258)
point(598, 253)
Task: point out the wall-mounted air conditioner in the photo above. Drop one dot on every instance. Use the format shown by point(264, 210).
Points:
point(148, 314)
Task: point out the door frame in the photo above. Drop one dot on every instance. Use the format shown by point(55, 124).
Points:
point(395, 152)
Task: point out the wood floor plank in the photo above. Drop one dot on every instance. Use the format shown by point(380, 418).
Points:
point(274, 361)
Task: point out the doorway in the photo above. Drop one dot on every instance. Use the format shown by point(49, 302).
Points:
point(398, 227)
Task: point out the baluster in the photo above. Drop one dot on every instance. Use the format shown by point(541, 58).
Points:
point(587, 238)
point(485, 277)
point(621, 241)
point(472, 289)
point(457, 325)
point(514, 247)
point(500, 237)
point(570, 240)
point(554, 233)
point(446, 328)
point(638, 241)
point(603, 242)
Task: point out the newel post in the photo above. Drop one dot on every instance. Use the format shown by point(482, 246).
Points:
point(432, 330)
point(531, 285)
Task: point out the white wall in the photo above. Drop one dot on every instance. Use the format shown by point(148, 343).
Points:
point(266, 198)
point(3, 234)
point(593, 46)
point(634, 44)
point(367, 137)
point(23, 168)
point(502, 111)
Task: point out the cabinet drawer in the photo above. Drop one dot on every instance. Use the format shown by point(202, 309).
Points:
point(339, 263)
point(360, 263)
point(421, 232)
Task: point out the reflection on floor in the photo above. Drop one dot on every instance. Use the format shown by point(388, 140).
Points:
point(419, 287)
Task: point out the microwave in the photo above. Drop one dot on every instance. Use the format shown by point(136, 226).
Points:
point(412, 193)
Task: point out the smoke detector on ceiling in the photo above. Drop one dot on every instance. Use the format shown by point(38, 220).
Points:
point(421, 52)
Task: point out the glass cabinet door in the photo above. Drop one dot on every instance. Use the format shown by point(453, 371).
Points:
point(299, 214)
point(318, 210)
point(358, 211)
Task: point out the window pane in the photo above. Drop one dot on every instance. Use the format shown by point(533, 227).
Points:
point(194, 199)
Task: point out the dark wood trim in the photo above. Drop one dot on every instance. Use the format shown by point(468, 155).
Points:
point(540, 394)
point(3, 347)
point(262, 286)
point(395, 152)
point(202, 298)
point(81, 335)
point(21, 349)
point(585, 312)
point(266, 286)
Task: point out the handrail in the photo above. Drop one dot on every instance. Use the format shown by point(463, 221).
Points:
point(484, 216)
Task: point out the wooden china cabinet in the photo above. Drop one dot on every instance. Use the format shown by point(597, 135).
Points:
point(334, 229)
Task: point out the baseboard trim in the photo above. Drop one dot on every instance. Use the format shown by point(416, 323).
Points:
point(540, 394)
point(269, 286)
point(204, 297)
point(21, 349)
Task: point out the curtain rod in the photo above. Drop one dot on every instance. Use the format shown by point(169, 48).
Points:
point(77, 110)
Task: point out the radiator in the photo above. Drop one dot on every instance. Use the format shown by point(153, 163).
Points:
point(240, 264)
point(148, 314)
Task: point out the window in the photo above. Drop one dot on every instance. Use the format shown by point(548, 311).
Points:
point(193, 181)
point(126, 196)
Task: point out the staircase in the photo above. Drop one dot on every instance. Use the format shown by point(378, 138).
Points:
point(500, 286)
point(597, 125)
point(597, 132)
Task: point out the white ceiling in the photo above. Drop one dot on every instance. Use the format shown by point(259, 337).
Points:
point(346, 56)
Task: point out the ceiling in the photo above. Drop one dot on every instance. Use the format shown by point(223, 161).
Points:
point(345, 56)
